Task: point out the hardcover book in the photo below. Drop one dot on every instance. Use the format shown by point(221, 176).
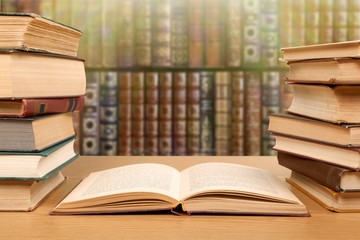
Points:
point(233, 33)
point(124, 109)
point(45, 76)
point(126, 45)
point(179, 33)
point(31, 32)
point(143, 32)
point(196, 33)
point(208, 188)
point(179, 113)
point(237, 113)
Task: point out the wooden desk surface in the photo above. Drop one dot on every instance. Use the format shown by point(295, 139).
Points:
point(38, 224)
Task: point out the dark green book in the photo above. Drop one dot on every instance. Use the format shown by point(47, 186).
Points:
point(37, 165)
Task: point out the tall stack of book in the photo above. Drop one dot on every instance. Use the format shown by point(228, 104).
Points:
point(318, 138)
point(42, 83)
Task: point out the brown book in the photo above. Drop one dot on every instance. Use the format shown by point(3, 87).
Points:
point(262, 191)
point(138, 113)
point(38, 106)
point(337, 103)
point(237, 113)
point(179, 33)
point(252, 113)
point(142, 31)
point(196, 33)
point(222, 113)
point(324, 50)
point(316, 130)
point(214, 33)
point(124, 111)
point(179, 113)
point(325, 71)
point(161, 33)
point(45, 75)
point(233, 33)
point(329, 199)
point(165, 113)
point(126, 44)
point(23, 33)
point(337, 178)
point(347, 157)
point(193, 113)
point(151, 113)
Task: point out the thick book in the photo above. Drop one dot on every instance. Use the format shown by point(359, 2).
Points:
point(324, 50)
point(34, 134)
point(338, 104)
point(26, 195)
point(347, 157)
point(237, 113)
point(329, 199)
point(38, 106)
point(124, 110)
point(337, 178)
point(210, 188)
point(40, 75)
point(31, 32)
point(312, 129)
point(325, 71)
point(37, 165)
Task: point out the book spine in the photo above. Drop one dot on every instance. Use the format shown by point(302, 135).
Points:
point(253, 113)
point(353, 20)
point(91, 115)
point(193, 113)
point(207, 113)
point(340, 20)
point(325, 174)
point(285, 23)
point(298, 22)
point(124, 109)
point(109, 33)
point(233, 33)
point(196, 33)
point(108, 113)
point(161, 33)
point(78, 17)
point(126, 34)
point(151, 113)
point(179, 113)
point(214, 33)
point(312, 22)
point(252, 42)
point(179, 34)
point(269, 33)
point(93, 29)
point(326, 21)
point(237, 113)
point(222, 113)
point(138, 114)
point(165, 114)
point(271, 101)
point(142, 31)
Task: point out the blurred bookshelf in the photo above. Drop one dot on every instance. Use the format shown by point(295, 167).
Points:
point(189, 77)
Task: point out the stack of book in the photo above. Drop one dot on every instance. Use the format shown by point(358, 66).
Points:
point(42, 83)
point(318, 138)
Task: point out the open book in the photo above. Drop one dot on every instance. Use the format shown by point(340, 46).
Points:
point(222, 188)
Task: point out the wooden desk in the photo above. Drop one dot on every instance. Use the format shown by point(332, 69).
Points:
point(39, 225)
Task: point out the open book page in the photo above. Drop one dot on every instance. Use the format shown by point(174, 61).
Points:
point(228, 177)
point(146, 177)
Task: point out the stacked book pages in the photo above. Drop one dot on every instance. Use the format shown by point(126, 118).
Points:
point(318, 136)
point(42, 83)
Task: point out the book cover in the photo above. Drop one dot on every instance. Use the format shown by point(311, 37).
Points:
point(108, 113)
point(142, 31)
point(179, 113)
point(222, 113)
point(138, 113)
point(193, 86)
point(124, 110)
point(151, 113)
point(180, 33)
point(237, 113)
point(207, 113)
point(161, 33)
point(196, 33)
point(126, 36)
point(166, 113)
